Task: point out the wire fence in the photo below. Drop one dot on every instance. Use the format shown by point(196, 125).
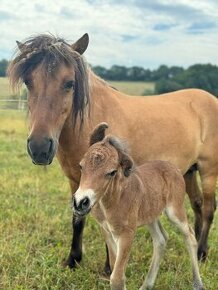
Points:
point(10, 104)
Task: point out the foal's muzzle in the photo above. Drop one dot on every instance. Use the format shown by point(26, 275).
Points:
point(41, 152)
point(83, 207)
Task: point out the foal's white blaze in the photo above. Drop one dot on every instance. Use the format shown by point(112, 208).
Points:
point(80, 194)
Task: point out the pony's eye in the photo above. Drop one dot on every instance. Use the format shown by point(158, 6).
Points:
point(28, 83)
point(80, 167)
point(112, 173)
point(69, 85)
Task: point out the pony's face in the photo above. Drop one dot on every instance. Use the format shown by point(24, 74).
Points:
point(50, 101)
point(57, 82)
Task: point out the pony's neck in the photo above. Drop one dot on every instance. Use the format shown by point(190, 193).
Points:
point(73, 142)
point(95, 80)
point(99, 87)
point(100, 93)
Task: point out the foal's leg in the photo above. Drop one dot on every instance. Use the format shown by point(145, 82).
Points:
point(209, 207)
point(196, 198)
point(111, 250)
point(178, 217)
point(124, 242)
point(159, 237)
point(100, 217)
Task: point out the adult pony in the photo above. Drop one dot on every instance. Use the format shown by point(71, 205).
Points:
point(66, 100)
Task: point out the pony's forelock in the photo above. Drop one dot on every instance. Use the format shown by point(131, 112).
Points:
point(50, 52)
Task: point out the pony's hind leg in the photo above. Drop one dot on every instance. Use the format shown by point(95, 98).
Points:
point(159, 238)
point(196, 198)
point(209, 207)
point(178, 217)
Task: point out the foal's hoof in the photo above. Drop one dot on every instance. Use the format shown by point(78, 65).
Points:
point(198, 286)
point(202, 254)
point(72, 262)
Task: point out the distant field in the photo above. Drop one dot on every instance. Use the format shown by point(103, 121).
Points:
point(5, 92)
point(131, 88)
point(134, 88)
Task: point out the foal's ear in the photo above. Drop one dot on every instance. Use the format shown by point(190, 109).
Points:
point(126, 164)
point(81, 44)
point(98, 133)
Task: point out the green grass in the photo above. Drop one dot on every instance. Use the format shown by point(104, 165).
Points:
point(35, 230)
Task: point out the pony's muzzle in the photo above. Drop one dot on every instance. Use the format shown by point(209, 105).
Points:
point(41, 152)
point(83, 207)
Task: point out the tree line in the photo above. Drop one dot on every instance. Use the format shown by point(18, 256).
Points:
point(167, 79)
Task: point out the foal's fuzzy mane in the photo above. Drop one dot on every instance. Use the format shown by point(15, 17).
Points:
point(50, 52)
point(118, 144)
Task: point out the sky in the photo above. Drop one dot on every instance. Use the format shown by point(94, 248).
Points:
point(144, 33)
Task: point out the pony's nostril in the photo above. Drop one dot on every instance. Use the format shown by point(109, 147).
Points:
point(85, 203)
point(51, 146)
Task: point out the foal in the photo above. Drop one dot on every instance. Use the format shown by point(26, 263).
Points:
point(123, 197)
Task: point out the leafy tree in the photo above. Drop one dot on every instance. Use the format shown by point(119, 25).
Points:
point(165, 86)
point(101, 71)
point(161, 73)
point(202, 76)
point(3, 67)
point(118, 73)
point(136, 73)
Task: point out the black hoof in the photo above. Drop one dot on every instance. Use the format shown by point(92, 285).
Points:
point(107, 270)
point(202, 255)
point(72, 262)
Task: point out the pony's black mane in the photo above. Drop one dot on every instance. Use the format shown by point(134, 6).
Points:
point(51, 52)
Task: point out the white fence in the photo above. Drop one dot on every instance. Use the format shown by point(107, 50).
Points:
point(6, 104)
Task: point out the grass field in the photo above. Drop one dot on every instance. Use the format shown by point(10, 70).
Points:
point(5, 92)
point(134, 88)
point(35, 230)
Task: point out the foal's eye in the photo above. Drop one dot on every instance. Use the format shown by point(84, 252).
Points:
point(68, 85)
point(112, 173)
point(80, 167)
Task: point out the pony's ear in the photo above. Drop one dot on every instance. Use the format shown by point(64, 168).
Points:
point(126, 163)
point(21, 46)
point(81, 44)
point(98, 133)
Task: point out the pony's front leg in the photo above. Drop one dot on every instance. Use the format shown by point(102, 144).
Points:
point(75, 255)
point(124, 242)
